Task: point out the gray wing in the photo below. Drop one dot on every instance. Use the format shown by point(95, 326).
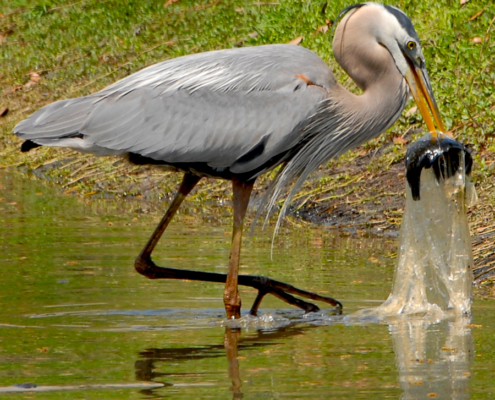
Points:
point(231, 109)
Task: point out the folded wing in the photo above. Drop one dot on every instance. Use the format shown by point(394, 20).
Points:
point(229, 109)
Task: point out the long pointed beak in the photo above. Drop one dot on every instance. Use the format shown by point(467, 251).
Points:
point(419, 82)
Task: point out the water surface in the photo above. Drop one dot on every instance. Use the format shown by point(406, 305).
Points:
point(75, 315)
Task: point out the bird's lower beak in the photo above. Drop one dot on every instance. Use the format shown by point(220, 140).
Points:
point(419, 82)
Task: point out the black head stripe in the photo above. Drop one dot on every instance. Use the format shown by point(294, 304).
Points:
point(345, 11)
point(404, 21)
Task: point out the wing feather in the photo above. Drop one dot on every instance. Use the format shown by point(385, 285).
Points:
point(56, 119)
point(209, 108)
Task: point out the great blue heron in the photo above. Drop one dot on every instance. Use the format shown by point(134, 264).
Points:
point(237, 113)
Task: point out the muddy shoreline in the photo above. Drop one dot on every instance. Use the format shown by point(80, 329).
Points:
point(356, 200)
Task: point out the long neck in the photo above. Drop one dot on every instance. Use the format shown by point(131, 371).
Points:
point(345, 120)
point(362, 117)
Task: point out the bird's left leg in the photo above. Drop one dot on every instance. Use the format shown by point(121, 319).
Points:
point(143, 263)
point(231, 298)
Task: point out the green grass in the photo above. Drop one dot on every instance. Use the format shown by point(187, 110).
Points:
point(82, 46)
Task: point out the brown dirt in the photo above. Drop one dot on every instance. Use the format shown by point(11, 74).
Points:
point(362, 194)
point(374, 205)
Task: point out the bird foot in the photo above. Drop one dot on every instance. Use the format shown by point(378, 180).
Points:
point(264, 285)
point(285, 293)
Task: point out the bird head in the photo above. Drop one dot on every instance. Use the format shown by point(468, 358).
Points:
point(371, 33)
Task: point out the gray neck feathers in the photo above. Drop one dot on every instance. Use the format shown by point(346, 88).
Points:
point(342, 122)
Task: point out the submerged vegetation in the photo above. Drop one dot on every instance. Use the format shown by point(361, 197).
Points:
point(52, 50)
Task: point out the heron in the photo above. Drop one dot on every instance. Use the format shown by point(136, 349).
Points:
point(237, 113)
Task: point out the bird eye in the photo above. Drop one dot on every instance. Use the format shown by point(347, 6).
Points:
point(411, 45)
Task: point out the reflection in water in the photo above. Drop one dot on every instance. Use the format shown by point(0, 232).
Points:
point(231, 343)
point(433, 360)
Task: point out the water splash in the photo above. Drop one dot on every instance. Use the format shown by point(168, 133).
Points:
point(433, 274)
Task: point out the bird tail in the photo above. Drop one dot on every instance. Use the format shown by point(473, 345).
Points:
point(57, 124)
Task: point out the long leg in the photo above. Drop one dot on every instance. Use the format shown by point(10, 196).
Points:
point(242, 192)
point(145, 266)
point(143, 263)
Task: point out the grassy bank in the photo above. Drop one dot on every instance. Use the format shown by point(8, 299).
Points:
point(51, 50)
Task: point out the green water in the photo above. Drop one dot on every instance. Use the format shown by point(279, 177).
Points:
point(74, 312)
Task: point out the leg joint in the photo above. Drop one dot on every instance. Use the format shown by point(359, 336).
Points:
point(144, 266)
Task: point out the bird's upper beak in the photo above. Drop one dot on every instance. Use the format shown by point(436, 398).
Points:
point(419, 82)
